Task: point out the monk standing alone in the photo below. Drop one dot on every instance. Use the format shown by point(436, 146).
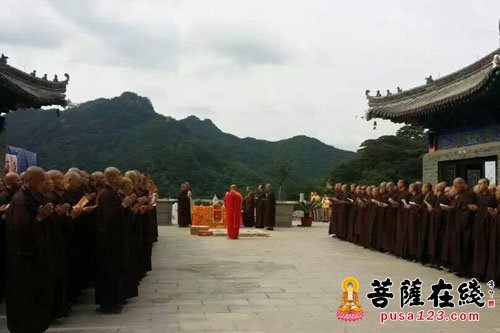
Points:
point(232, 205)
point(259, 208)
point(270, 209)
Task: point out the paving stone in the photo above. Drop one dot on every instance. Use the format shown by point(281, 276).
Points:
point(289, 282)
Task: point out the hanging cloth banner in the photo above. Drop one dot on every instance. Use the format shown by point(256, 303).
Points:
point(10, 163)
point(18, 159)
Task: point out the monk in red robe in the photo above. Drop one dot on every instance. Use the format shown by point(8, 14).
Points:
point(232, 206)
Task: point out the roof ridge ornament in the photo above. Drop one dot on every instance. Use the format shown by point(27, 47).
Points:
point(3, 59)
point(429, 79)
point(496, 61)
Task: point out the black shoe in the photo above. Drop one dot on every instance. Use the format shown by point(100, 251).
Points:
point(269, 228)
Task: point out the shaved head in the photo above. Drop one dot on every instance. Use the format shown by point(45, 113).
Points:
point(113, 177)
point(34, 178)
point(459, 185)
point(12, 180)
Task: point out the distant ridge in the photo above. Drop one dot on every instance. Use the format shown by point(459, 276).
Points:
point(126, 132)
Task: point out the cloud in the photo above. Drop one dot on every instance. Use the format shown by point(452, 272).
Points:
point(244, 45)
point(31, 23)
point(268, 69)
point(121, 42)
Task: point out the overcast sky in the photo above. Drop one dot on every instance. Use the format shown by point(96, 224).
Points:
point(266, 69)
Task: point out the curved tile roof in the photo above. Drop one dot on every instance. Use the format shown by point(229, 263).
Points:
point(22, 90)
point(436, 95)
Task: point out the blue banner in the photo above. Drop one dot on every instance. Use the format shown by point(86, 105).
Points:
point(25, 158)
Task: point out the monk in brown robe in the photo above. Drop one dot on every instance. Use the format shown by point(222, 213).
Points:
point(270, 208)
point(183, 207)
point(140, 240)
point(413, 222)
point(110, 244)
point(401, 218)
point(466, 206)
point(437, 225)
point(249, 209)
point(133, 246)
point(449, 227)
point(339, 210)
point(360, 214)
point(487, 204)
point(260, 207)
point(391, 217)
point(146, 218)
point(334, 227)
point(57, 225)
point(87, 231)
point(352, 211)
point(370, 228)
point(29, 294)
point(429, 199)
point(493, 268)
point(12, 184)
point(72, 195)
point(381, 218)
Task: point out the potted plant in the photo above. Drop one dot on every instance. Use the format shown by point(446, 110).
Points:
point(307, 207)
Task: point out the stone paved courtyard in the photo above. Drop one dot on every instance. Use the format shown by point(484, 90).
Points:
point(289, 282)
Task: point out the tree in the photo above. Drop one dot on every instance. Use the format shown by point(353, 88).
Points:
point(412, 132)
point(387, 158)
point(282, 169)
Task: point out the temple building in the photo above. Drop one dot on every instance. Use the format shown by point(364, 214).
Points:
point(20, 90)
point(461, 112)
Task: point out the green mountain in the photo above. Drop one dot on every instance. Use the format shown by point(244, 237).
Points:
point(126, 132)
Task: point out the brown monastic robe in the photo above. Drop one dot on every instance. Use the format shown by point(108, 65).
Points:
point(249, 210)
point(423, 231)
point(58, 254)
point(462, 248)
point(481, 233)
point(414, 221)
point(369, 230)
point(359, 222)
point(183, 209)
point(334, 227)
point(381, 224)
point(270, 210)
point(391, 219)
point(493, 268)
point(351, 217)
point(339, 212)
point(110, 250)
point(437, 229)
point(401, 232)
point(5, 198)
point(75, 239)
point(259, 210)
point(29, 295)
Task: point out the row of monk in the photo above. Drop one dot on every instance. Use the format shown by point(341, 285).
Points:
point(449, 227)
point(259, 210)
point(62, 233)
